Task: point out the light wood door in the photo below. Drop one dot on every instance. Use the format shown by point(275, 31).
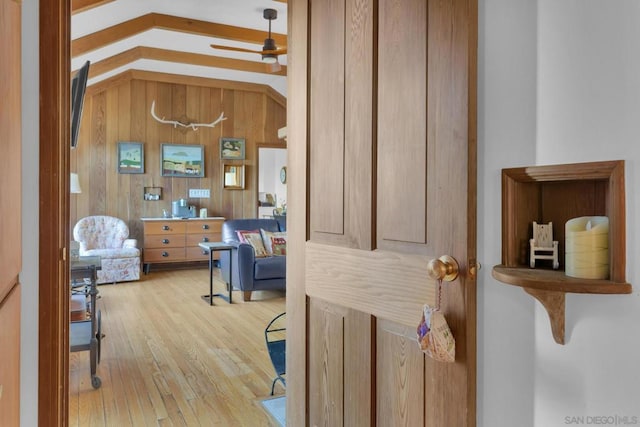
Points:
point(382, 179)
point(10, 211)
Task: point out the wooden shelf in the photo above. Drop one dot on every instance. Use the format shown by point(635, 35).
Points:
point(549, 288)
point(554, 280)
point(556, 194)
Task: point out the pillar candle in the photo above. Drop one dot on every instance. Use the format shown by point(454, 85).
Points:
point(587, 247)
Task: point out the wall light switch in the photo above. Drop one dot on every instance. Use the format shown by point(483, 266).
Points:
point(199, 193)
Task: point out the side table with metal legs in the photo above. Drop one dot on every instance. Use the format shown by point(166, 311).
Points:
point(212, 247)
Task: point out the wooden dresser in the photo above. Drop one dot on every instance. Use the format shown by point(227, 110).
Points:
point(174, 240)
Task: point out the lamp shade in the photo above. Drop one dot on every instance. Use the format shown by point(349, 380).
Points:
point(75, 184)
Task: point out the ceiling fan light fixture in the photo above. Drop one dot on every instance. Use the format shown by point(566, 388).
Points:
point(269, 45)
point(269, 58)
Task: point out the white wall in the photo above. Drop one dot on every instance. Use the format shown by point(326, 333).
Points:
point(30, 204)
point(559, 82)
point(506, 138)
point(589, 110)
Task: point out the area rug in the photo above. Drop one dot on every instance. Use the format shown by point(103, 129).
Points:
point(275, 406)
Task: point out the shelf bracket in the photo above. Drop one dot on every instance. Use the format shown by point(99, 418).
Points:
point(553, 302)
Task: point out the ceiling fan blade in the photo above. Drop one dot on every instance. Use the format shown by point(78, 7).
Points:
point(279, 51)
point(235, 49)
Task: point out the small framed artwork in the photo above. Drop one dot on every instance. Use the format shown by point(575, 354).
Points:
point(186, 161)
point(233, 177)
point(232, 148)
point(130, 157)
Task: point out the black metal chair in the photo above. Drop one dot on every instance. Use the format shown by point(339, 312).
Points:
point(275, 338)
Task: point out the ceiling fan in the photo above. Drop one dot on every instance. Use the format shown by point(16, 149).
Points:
point(269, 50)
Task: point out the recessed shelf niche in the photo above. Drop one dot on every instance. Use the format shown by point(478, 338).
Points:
point(557, 193)
point(153, 193)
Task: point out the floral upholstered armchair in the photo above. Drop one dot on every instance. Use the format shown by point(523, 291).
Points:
point(108, 238)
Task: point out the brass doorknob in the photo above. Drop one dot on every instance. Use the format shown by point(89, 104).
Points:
point(444, 268)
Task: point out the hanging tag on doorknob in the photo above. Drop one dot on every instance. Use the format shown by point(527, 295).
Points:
point(434, 336)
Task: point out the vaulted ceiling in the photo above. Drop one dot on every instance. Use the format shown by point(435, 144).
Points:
point(175, 37)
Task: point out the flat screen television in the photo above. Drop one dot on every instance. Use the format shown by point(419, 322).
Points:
point(78, 88)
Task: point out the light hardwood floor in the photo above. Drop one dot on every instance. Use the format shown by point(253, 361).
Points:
point(170, 359)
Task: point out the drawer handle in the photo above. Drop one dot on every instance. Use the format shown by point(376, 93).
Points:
point(205, 239)
point(165, 254)
point(165, 241)
point(165, 227)
point(205, 227)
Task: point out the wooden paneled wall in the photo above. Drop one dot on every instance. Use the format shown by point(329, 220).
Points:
point(118, 110)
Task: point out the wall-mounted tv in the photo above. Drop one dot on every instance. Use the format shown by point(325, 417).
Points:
point(78, 88)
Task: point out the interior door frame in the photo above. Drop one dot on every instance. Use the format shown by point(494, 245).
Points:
point(297, 206)
point(260, 145)
point(53, 316)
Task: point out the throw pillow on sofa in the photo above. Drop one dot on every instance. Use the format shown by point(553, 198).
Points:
point(268, 240)
point(241, 233)
point(279, 246)
point(255, 240)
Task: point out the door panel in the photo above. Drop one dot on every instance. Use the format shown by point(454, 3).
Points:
point(10, 211)
point(403, 173)
point(326, 331)
point(10, 366)
point(400, 379)
point(386, 284)
point(342, 89)
point(359, 375)
point(10, 161)
point(327, 117)
point(390, 185)
point(342, 372)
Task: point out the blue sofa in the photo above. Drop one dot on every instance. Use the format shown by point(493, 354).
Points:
point(251, 273)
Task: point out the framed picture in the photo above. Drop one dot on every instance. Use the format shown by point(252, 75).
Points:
point(232, 148)
point(233, 177)
point(130, 157)
point(185, 161)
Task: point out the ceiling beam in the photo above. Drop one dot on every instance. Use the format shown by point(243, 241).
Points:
point(129, 75)
point(142, 52)
point(78, 6)
point(150, 21)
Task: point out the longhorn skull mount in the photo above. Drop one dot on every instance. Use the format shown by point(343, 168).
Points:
point(193, 126)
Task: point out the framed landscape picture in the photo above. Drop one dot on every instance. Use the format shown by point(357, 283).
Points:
point(130, 157)
point(185, 161)
point(232, 148)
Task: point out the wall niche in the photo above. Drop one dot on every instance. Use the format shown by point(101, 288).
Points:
point(557, 193)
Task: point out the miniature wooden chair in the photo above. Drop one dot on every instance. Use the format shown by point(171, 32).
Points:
point(542, 245)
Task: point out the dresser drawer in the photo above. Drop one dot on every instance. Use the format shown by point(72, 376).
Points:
point(166, 241)
point(164, 227)
point(164, 255)
point(196, 253)
point(194, 239)
point(176, 240)
point(204, 225)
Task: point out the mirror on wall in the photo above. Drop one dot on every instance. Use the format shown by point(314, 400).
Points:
point(272, 180)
